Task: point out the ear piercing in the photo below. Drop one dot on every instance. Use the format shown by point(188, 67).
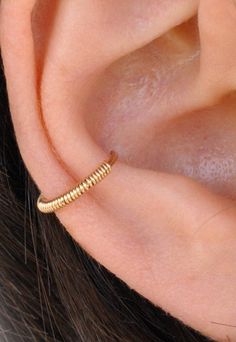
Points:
point(49, 206)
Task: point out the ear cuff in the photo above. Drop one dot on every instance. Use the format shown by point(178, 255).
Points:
point(49, 206)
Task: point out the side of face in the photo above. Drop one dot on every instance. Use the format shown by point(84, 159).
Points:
point(154, 81)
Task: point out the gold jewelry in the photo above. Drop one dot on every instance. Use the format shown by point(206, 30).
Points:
point(94, 178)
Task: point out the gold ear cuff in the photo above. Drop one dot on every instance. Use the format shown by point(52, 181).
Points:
point(94, 178)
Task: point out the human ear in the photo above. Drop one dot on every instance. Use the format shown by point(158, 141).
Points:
point(100, 75)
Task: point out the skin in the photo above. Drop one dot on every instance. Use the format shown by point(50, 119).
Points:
point(101, 75)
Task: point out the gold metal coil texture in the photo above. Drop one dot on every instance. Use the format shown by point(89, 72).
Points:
point(89, 182)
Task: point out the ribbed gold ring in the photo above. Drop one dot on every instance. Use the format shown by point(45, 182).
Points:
point(94, 178)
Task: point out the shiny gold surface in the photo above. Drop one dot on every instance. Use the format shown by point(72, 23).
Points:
point(49, 206)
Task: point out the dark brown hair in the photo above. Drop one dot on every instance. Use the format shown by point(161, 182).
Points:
point(50, 288)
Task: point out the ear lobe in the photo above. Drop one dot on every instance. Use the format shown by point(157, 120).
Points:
point(138, 223)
